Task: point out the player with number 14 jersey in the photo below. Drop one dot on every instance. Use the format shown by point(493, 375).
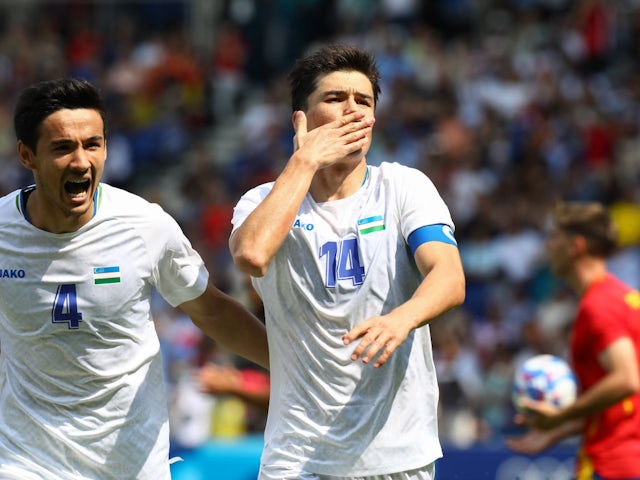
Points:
point(345, 261)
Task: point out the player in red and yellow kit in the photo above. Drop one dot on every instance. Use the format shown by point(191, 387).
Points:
point(605, 353)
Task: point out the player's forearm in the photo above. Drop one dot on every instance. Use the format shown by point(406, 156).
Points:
point(240, 332)
point(436, 295)
point(226, 321)
point(607, 392)
point(442, 289)
point(255, 243)
point(566, 430)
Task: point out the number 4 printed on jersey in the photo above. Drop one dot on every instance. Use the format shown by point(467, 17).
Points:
point(342, 262)
point(65, 307)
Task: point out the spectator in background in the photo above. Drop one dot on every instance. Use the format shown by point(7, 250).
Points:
point(460, 382)
point(249, 385)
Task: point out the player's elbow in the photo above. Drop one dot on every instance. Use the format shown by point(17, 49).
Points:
point(248, 257)
point(255, 269)
point(632, 385)
point(460, 295)
point(251, 262)
point(626, 386)
point(458, 291)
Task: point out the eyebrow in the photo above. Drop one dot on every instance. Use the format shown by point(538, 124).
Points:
point(344, 92)
point(64, 141)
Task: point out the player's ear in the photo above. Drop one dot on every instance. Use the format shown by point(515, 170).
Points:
point(579, 243)
point(26, 156)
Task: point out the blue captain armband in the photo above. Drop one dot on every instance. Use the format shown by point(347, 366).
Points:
point(431, 233)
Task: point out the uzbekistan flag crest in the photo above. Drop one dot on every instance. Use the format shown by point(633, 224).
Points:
point(104, 275)
point(371, 224)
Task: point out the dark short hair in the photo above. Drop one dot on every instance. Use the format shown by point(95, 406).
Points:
point(303, 78)
point(590, 220)
point(41, 99)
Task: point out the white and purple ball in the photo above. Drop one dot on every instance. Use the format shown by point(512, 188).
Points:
point(545, 378)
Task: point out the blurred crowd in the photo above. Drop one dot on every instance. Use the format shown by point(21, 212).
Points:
point(507, 105)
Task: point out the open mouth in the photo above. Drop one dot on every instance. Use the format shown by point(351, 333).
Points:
point(77, 188)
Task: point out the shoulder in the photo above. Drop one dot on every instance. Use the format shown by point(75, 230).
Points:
point(10, 208)
point(251, 198)
point(119, 196)
point(121, 203)
point(405, 181)
point(397, 173)
point(149, 219)
point(259, 192)
point(395, 168)
point(10, 200)
point(606, 297)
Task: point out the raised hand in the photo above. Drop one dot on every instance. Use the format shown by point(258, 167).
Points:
point(332, 141)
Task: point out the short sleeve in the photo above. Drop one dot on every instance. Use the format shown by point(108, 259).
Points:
point(606, 322)
point(180, 273)
point(418, 200)
point(248, 202)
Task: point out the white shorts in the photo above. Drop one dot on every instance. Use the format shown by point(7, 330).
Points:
point(423, 473)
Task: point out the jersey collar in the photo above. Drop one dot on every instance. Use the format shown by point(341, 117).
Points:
point(21, 200)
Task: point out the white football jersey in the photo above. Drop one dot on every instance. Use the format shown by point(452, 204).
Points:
point(82, 394)
point(343, 262)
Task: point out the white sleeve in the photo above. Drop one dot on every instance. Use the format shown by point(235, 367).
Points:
point(248, 202)
point(180, 274)
point(419, 201)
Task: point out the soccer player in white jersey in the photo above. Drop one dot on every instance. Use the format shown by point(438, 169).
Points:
point(352, 262)
point(81, 388)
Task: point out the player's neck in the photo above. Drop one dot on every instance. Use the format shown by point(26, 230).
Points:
point(338, 181)
point(43, 215)
point(589, 272)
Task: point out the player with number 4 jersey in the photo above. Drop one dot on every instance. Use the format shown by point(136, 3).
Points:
point(76, 310)
point(81, 389)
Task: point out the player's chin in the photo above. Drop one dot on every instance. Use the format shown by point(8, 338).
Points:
point(364, 151)
point(357, 155)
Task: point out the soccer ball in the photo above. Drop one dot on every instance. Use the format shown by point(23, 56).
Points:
point(545, 378)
